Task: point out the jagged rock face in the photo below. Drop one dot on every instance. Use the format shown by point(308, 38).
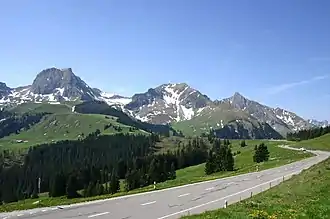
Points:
point(4, 90)
point(97, 91)
point(167, 103)
point(316, 123)
point(139, 100)
point(63, 82)
point(281, 120)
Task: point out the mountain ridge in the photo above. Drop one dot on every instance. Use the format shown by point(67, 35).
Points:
point(165, 104)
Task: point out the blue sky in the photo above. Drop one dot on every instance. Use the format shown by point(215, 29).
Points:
point(275, 52)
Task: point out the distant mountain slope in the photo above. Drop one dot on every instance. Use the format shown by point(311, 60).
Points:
point(167, 103)
point(65, 126)
point(177, 104)
point(4, 91)
point(227, 123)
point(281, 120)
point(316, 123)
point(99, 107)
point(13, 124)
point(54, 85)
point(40, 108)
point(243, 129)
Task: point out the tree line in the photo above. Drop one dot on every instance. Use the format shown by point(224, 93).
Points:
point(306, 134)
point(220, 158)
point(94, 165)
point(13, 123)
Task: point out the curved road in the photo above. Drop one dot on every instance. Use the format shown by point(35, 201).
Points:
point(178, 201)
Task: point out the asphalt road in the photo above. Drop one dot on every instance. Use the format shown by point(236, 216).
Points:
point(178, 201)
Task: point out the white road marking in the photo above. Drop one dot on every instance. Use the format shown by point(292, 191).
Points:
point(148, 203)
point(183, 195)
point(209, 188)
point(44, 210)
point(20, 215)
point(96, 215)
point(157, 191)
point(236, 177)
point(226, 197)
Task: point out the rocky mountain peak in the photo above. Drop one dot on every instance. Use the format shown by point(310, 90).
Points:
point(4, 90)
point(53, 78)
point(238, 95)
point(3, 86)
point(54, 84)
point(167, 103)
point(317, 123)
point(238, 101)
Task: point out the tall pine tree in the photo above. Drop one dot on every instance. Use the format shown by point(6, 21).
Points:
point(71, 188)
point(114, 183)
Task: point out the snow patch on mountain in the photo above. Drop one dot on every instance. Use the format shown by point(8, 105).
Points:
point(143, 119)
point(200, 110)
point(172, 97)
point(286, 118)
point(60, 90)
point(161, 105)
point(187, 113)
point(114, 99)
point(314, 122)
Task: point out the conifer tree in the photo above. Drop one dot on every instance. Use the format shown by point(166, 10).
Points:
point(173, 172)
point(261, 153)
point(114, 183)
point(58, 185)
point(71, 188)
point(209, 166)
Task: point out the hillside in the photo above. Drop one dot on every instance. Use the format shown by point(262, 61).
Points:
point(195, 173)
point(208, 118)
point(99, 107)
point(68, 120)
point(40, 108)
point(177, 104)
point(320, 143)
point(303, 196)
point(65, 126)
point(227, 123)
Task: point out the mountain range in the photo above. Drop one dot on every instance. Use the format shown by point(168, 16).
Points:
point(180, 105)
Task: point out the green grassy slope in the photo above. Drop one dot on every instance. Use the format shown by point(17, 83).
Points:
point(41, 107)
point(57, 127)
point(213, 117)
point(304, 196)
point(320, 143)
point(243, 164)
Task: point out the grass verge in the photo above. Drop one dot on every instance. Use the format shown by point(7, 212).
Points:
point(304, 196)
point(243, 164)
